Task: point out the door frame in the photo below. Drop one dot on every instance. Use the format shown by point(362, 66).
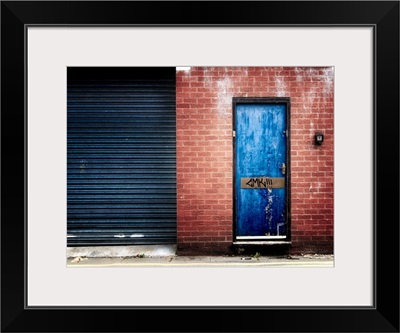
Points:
point(263, 100)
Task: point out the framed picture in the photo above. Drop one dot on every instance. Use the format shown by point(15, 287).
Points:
point(350, 50)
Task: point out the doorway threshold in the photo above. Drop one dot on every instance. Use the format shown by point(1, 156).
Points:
point(262, 242)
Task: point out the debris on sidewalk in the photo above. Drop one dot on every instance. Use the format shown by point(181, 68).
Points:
point(78, 259)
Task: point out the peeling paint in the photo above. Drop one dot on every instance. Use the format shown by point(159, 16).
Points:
point(208, 81)
point(280, 86)
point(328, 80)
point(224, 96)
point(311, 71)
point(299, 74)
point(268, 212)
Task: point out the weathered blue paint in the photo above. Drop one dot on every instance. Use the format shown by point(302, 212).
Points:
point(260, 152)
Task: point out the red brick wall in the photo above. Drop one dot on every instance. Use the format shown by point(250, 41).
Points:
point(205, 152)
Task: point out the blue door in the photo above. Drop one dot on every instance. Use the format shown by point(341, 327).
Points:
point(261, 168)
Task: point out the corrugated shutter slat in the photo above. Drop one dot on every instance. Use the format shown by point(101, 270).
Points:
point(121, 156)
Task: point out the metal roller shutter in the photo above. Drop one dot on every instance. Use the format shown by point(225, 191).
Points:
point(121, 155)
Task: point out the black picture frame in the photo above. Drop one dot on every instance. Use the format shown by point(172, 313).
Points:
point(383, 316)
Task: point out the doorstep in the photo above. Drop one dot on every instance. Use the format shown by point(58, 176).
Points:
point(262, 243)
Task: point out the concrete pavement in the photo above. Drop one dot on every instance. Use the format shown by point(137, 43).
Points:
point(319, 261)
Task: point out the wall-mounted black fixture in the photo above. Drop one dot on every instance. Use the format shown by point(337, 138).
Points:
point(319, 138)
